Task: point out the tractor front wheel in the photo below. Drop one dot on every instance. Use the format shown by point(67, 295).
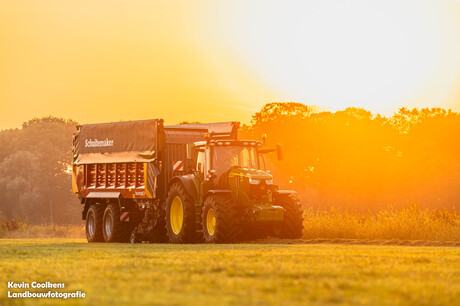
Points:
point(291, 227)
point(219, 220)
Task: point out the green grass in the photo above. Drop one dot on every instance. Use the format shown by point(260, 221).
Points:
point(234, 274)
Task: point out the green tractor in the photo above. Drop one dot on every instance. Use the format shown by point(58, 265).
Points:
point(228, 196)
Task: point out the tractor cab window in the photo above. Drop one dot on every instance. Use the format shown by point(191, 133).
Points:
point(226, 157)
point(200, 160)
point(262, 163)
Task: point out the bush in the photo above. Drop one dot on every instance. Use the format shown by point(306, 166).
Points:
point(11, 224)
point(19, 228)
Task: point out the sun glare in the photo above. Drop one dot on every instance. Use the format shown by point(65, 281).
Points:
point(380, 55)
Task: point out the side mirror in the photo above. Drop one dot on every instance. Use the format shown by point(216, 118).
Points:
point(279, 151)
point(212, 173)
point(264, 138)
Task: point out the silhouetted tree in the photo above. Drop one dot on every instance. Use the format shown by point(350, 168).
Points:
point(35, 181)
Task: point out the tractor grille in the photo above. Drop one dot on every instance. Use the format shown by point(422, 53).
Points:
point(262, 193)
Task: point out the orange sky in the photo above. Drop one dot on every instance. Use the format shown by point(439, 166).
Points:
point(97, 61)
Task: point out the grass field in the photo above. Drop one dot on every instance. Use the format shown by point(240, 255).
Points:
point(259, 273)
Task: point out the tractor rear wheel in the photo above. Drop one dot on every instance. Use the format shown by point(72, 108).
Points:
point(291, 227)
point(220, 220)
point(113, 229)
point(180, 215)
point(93, 227)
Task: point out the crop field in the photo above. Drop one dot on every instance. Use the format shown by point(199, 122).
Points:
point(259, 273)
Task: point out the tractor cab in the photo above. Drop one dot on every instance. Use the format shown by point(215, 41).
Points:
point(233, 167)
point(217, 160)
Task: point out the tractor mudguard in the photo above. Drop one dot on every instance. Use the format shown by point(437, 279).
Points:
point(189, 184)
point(283, 193)
point(217, 191)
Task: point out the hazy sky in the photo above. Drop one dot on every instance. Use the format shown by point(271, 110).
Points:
point(97, 61)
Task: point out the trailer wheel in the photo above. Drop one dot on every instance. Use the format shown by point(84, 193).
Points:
point(220, 220)
point(93, 227)
point(180, 215)
point(291, 227)
point(113, 229)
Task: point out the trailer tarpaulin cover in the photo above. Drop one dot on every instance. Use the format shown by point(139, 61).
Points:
point(117, 142)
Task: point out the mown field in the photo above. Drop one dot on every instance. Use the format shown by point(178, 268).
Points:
point(258, 273)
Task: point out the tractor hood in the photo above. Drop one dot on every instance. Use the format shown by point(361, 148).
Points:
point(250, 173)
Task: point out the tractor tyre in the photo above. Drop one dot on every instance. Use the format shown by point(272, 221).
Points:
point(291, 227)
point(220, 220)
point(93, 227)
point(113, 229)
point(256, 232)
point(180, 215)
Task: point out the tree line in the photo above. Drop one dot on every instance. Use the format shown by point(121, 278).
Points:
point(351, 159)
point(357, 160)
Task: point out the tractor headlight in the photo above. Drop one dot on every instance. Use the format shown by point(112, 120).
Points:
point(269, 182)
point(254, 181)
